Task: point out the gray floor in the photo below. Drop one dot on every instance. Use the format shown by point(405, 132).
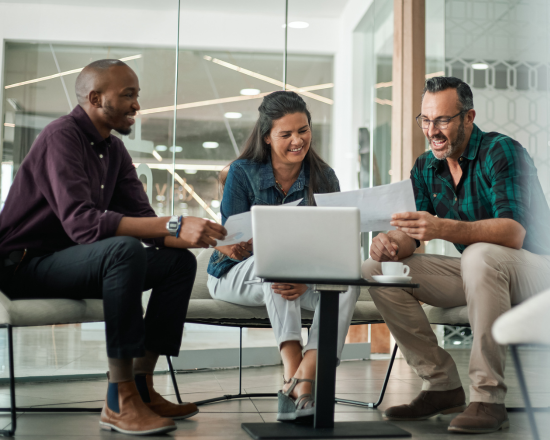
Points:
point(359, 380)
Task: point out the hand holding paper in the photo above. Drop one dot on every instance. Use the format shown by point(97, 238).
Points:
point(377, 205)
point(239, 227)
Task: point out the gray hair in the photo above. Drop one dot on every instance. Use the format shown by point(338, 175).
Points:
point(440, 83)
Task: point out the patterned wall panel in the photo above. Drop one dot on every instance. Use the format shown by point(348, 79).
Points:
point(511, 95)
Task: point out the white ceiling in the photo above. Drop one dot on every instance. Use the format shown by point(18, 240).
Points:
point(297, 8)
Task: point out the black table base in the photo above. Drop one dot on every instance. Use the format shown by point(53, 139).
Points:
point(325, 383)
point(268, 431)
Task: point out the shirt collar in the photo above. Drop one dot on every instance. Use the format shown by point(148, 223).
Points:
point(469, 153)
point(267, 178)
point(87, 126)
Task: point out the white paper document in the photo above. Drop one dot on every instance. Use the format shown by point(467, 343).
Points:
point(375, 204)
point(239, 227)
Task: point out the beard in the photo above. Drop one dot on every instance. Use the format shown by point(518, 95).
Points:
point(113, 116)
point(454, 144)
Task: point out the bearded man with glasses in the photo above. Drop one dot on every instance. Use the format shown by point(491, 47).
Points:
point(481, 192)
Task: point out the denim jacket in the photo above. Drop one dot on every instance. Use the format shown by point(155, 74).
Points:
point(251, 183)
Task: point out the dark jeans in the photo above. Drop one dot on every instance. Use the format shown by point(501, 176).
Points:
point(118, 270)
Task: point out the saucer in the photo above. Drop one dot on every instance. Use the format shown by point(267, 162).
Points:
point(391, 279)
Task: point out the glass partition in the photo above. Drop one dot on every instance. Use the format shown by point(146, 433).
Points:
point(220, 57)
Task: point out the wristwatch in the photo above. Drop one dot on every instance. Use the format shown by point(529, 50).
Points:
point(174, 225)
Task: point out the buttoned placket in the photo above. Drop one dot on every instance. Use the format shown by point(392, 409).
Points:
point(102, 178)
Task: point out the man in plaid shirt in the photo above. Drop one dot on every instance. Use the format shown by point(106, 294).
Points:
point(481, 192)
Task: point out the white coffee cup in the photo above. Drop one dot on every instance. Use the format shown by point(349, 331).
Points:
point(394, 269)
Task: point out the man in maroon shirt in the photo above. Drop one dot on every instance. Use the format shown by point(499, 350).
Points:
point(72, 227)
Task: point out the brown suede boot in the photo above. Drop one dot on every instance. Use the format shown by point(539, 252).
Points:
point(480, 418)
point(159, 405)
point(125, 412)
point(428, 404)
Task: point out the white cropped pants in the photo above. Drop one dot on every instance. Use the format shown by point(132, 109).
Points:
point(285, 315)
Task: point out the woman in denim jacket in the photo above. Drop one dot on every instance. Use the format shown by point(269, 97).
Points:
point(278, 165)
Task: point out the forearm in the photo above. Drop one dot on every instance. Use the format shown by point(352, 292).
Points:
point(179, 243)
point(501, 231)
point(143, 227)
point(407, 245)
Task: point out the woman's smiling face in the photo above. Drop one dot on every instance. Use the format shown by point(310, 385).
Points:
point(289, 138)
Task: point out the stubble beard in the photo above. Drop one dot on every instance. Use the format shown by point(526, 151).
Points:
point(454, 145)
point(111, 114)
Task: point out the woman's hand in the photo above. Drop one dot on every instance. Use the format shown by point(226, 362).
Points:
point(238, 252)
point(289, 291)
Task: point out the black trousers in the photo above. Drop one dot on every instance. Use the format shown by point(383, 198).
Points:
point(117, 270)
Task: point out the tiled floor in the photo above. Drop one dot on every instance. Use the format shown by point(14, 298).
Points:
point(359, 380)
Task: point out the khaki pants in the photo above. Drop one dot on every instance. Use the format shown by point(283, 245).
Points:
point(489, 279)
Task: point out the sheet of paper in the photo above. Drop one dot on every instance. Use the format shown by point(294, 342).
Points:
point(239, 227)
point(375, 204)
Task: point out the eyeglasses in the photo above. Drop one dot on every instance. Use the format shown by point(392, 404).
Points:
point(441, 124)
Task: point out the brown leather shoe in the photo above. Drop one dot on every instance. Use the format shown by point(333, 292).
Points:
point(480, 418)
point(428, 404)
point(160, 405)
point(131, 415)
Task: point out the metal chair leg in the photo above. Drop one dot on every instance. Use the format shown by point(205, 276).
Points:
point(523, 387)
point(240, 395)
point(382, 392)
point(174, 382)
point(13, 408)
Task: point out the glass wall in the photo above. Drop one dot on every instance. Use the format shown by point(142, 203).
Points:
point(501, 49)
point(504, 55)
point(202, 72)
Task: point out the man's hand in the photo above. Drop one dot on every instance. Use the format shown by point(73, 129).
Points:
point(200, 232)
point(419, 225)
point(384, 249)
point(289, 291)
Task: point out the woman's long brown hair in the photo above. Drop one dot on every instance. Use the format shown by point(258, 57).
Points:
point(274, 106)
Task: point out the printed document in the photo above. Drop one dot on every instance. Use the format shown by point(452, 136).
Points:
point(375, 204)
point(239, 227)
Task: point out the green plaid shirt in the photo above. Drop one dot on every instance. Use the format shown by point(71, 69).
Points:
point(499, 180)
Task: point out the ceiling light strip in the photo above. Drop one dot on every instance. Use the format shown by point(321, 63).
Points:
point(191, 191)
point(198, 167)
point(57, 75)
point(269, 80)
point(168, 108)
point(383, 101)
point(9, 124)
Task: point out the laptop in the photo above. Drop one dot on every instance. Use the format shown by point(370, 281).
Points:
point(306, 243)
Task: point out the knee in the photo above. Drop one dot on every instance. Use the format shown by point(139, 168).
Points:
point(478, 261)
point(370, 268)
point(185, 261)
point(128, 248)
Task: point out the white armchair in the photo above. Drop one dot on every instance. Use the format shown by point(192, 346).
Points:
point(526, 324)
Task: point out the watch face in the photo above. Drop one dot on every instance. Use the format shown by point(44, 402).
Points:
point(173, 225)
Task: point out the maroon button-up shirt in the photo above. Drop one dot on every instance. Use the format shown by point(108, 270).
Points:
point(73, 187)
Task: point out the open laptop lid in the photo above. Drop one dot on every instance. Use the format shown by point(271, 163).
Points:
point(306, 243)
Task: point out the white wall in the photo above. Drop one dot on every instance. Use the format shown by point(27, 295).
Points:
point(344, 136)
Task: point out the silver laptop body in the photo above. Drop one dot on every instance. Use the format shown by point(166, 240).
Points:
point(306, 243)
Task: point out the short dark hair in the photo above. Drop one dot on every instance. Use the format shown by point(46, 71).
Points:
point(85, 79)
point(440, 83)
